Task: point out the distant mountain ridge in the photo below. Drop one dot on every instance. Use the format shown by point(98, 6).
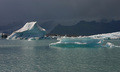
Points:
point(48, 25)
point(9, 28)
point(87, 28)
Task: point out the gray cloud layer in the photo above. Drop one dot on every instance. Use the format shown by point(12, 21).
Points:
point(15, 10)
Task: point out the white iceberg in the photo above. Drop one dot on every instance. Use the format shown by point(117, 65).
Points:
point(114, 35)
point(29, 30)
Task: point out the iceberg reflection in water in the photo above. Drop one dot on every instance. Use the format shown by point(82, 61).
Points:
point(75, 42)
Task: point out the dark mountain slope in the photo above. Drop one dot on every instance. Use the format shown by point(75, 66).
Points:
point(87, 28)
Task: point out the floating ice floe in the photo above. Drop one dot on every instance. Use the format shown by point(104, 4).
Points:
point(87, 41)
point(110, 45)
point(82, 42)
point(30, 30)
point(73, 42)
point(114, 35)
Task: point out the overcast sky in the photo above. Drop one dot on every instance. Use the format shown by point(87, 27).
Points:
point(58, 10)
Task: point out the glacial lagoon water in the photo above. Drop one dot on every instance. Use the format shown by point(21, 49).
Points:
point(38, 56)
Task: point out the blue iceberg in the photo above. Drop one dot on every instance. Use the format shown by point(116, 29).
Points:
point(75, 42)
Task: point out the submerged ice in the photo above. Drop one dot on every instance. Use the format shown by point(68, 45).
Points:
point(29, 30)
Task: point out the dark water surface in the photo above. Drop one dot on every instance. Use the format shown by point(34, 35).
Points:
point(37, 56)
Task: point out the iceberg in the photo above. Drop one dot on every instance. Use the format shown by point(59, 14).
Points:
point(77, 42)
point(87, 41)
point(111, 45)
point(29, 30)
point(114, 35)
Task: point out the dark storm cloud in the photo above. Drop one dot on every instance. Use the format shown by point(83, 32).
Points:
point(15, 10)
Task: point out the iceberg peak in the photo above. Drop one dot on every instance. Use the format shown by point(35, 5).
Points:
point(29, 26)
point(29, 30)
